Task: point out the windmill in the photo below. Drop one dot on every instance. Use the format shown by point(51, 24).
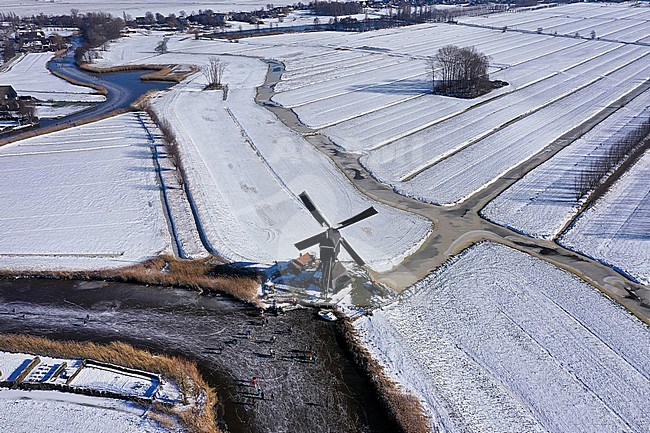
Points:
point(330, 241)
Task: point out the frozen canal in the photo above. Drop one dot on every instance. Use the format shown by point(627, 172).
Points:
point(329, 395)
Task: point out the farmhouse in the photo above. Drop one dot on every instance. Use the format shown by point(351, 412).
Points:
point(33, 40)
point(15, 109)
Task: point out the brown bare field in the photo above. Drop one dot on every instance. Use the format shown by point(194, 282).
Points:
point(404, 407)
point(197, 419)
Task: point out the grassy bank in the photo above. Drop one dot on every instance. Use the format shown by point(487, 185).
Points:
point(405, 408)
point(199, 418)
point(208, 274)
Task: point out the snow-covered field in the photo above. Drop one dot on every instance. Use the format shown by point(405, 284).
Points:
point(369, 93)
point(615, 229)
point(245, 168)
point(83, 198)
point(30, 77)
point(544, 201)
point(57, 412)
point(497, 340)
point(625, 22)
point(52, 111)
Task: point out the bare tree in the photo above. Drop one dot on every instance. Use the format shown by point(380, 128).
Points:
point(161, 48)
point(214, 73)
point(27, 111)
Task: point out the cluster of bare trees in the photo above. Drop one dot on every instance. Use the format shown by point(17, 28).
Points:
point(96, 30)
point(421, 13)
point(595, 173)
point(213, 72)
point(460, 72)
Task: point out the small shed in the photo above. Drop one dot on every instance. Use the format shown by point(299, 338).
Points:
point(298, 265)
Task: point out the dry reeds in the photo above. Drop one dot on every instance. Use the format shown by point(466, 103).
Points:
point(171, 143)
point(159, 72)
point(200, 418)
point(404, 407)
point(208, 274)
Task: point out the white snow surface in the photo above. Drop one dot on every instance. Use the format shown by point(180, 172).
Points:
point(30, 76)
point(117, 381)
point(615, 229)
point(11, 364)
point(625, 22)
point(369, 93)
point(57, 412)
point(83, 198)
point(497, 340)
point(245, 168)
point(544, 201)
point(53, 111)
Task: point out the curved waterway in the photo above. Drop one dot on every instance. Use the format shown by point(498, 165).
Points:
point(329, 395)
point(124, 88)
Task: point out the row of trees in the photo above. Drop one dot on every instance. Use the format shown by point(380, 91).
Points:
point(459, 72)
point(620, 146)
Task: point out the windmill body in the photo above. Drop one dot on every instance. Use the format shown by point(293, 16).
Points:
point(330, 241)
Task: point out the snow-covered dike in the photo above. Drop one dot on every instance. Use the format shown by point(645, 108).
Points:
point(497, 340)
point(616, 229)
point(57, 412)
point(245, 168)
point(83, 198)
point(30, 76)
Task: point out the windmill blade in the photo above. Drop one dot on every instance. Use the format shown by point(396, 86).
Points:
point(306, 243)
point(361, 216)
point(312, 209)
point(352, 253)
